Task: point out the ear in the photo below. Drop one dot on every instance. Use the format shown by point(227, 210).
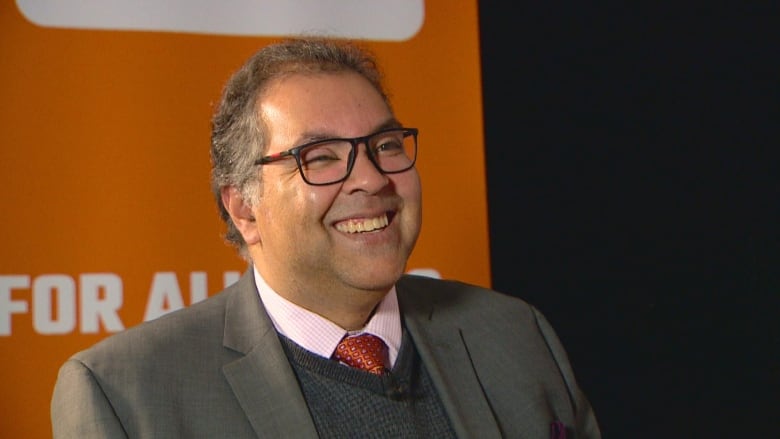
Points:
point(241, 214)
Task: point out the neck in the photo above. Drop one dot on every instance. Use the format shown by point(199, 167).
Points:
point(351, 311)
point(350, 308)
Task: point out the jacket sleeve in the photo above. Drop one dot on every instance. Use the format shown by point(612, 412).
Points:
point(79, 407)
point(586, 426)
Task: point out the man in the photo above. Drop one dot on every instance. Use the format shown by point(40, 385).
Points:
point(315, 179)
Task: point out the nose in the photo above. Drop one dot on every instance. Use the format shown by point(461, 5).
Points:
point(365, 173)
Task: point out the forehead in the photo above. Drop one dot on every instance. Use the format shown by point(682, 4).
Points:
point(336, 103)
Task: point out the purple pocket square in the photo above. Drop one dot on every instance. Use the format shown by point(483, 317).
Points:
point(557, 430)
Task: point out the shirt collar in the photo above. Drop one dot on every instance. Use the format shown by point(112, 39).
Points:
point(321, 336)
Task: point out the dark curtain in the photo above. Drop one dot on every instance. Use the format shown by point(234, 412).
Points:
point(632, 165)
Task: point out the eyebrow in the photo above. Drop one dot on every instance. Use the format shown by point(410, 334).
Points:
point(315, 136)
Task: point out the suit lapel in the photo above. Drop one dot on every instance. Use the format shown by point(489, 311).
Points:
point(444, 352)
point(263, 380)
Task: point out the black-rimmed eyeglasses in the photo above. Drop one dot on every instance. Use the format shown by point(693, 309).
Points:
point(330, 161)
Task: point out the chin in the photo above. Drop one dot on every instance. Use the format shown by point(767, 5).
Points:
point(379, 281)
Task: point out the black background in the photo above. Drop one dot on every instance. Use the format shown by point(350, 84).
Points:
point(633, 194)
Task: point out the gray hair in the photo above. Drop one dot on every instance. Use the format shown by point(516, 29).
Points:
point(238, 137)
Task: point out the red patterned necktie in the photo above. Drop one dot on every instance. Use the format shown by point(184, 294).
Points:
point(364, 351)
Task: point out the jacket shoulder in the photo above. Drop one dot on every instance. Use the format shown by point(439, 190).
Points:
point(421, 290)
point(198, 324)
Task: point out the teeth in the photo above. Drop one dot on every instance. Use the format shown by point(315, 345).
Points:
point(362, 225)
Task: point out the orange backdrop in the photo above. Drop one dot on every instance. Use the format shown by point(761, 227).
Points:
point(107, 217)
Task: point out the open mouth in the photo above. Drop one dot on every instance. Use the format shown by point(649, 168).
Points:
point(362, 225)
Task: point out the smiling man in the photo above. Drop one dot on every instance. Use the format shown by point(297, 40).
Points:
point(315, 179)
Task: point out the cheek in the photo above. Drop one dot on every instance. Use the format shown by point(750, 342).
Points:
point(319, 195)
point(317, 202)
point(408, 186)
point(273, 206)
point(299, 203)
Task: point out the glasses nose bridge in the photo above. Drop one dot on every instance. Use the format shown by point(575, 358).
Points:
point(356, 142)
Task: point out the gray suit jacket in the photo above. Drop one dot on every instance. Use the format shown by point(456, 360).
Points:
point(217, 370)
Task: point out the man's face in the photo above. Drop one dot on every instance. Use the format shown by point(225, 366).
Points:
point(304, 245)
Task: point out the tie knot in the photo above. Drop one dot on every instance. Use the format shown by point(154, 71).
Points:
point(365, 351)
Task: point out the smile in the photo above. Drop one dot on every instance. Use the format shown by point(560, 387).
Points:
point(363, 224)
